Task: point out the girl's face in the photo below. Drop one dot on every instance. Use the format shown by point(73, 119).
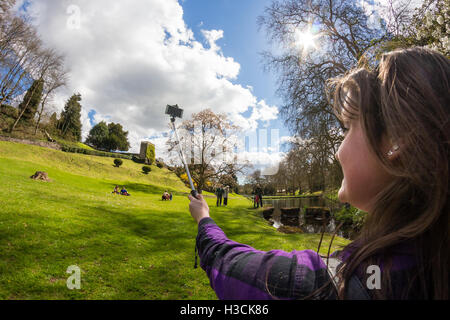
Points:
point(364, 177)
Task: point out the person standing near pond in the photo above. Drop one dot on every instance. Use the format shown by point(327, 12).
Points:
point(395, 162)
point(219, 193)
point(255, 201)
point(258, 193)
point(225, 195)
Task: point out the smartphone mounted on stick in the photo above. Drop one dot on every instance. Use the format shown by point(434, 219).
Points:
point(176, 112)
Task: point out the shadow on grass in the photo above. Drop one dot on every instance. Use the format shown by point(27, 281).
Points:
point(147, 188)
point(98, 239)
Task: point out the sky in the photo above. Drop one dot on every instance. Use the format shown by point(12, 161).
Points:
point(129, 59)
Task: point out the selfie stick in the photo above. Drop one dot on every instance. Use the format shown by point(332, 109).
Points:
point(174, 111)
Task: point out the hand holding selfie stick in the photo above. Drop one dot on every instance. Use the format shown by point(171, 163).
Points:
point(176, 112)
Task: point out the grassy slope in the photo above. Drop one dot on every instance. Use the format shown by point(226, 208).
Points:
point(136, 247)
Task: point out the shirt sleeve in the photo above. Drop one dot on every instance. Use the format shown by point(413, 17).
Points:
point(239, 272)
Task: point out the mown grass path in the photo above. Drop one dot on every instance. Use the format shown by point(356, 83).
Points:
point(136, 247)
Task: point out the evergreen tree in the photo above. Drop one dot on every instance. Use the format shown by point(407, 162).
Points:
point(108, 137)
point(53, 122)
point(117, 139)
point(70, 119)
point(98, 136)
point(31, 101)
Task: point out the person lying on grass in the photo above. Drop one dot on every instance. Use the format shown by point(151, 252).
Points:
point(124, 192)
point(395, 162)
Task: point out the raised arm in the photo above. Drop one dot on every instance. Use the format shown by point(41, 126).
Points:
point(238, 271)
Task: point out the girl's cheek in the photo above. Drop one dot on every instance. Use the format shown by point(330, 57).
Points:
point(341, 153)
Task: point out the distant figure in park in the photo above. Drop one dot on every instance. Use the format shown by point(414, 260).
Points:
point(124, 192)
point(255, 201)
point(219, 194)
point(165, 196)
point(225, 195)
point(116, 190)
point(258, 193)
point(170, 196)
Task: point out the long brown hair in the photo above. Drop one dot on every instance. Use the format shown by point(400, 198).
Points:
point(407, 99)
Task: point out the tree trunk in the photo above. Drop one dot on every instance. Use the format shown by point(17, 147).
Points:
point(23, 111)
point(40, 113)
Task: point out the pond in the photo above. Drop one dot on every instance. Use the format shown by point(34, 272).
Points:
point(296, 202)
point(303, 214)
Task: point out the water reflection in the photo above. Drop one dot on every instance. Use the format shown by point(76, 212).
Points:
point(284, 210)
point(296, 202)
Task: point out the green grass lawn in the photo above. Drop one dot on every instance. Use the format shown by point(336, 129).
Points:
point(136, 247)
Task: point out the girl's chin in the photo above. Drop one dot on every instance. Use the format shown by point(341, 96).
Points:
point(341, 193)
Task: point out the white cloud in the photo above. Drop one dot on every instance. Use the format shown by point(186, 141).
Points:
point(259, 112)
point(128, 59)
point(212, 36)
point(264, 112)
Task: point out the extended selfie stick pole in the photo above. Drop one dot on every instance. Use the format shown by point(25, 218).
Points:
point(193, 191)
point(176, 112)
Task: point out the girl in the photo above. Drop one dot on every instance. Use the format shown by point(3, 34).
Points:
point(395, 162)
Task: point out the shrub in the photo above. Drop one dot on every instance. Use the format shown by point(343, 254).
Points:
point(146, 169)
point(118, 162)
point(137, 159)
point(351, 216)
point(8, 111)
point(160, 163)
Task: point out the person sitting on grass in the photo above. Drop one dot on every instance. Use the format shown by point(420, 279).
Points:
point(116, 190)
point(395, 159)
point(124, 192)
point(165, 196)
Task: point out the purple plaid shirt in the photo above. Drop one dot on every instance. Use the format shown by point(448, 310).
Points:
point(239, 272)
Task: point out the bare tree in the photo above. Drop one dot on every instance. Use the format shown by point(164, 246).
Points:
point(5, 6)
point(24, 60)
point(55, 76)
point(19, 57)
point(344, 38)
point(209, 140)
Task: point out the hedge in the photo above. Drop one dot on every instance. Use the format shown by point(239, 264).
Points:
point(72, 149)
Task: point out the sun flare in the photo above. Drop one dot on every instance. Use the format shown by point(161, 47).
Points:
point(305, 40)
